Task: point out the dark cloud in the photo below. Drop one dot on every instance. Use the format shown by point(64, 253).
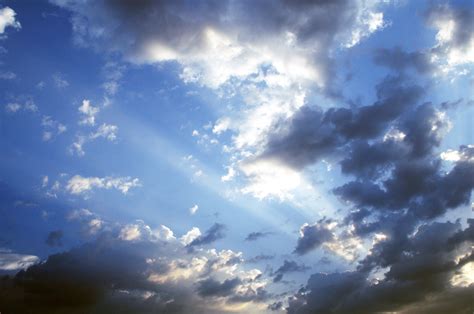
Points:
point(55, 238)
point(399, 60)
point(420, 270)
point(260, 258)
point(111, 275)
point(312, 237)
point(288, 267)
point(314, 133)
point(276, 306)
point(214, 233)
point(214, 288)
point(254, 236)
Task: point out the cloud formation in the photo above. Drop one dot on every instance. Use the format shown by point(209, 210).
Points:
point(149, 273)
point(8, 19)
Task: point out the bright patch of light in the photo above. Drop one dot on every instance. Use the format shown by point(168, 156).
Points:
point(465, 276)
point(270, 178)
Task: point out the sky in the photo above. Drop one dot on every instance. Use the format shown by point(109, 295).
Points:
point(236, 156)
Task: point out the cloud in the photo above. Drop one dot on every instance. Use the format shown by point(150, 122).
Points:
point(59, 81)
point(455, 41)
point(313, 133)
point(313, 236)
point(7, 75)
point(193, 209)
point(80, 185)
point(221, 37)
point(269, 60)
point(51, 128)
point(148, 274)
point(27, 105)
point(400, 60)
point(288, 267)
point(55, 238)
point(213, 288)
point(106, 131)
point(418, 269)
point(88, 113)
point(260, 258)
point(214, 233)
point(254, 236)
point(8, 19)
point(13, 261)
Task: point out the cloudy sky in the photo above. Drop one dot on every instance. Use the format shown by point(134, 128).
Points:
point(236, 156)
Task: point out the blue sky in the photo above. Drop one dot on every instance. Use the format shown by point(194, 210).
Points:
point(248, 154)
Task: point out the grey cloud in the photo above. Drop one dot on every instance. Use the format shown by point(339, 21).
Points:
point(214, 288)
point(288, 267)
point(420, 269)
point(55, 238)
point(260, 258)
point(312, 237)
point(313, 134)
point(254, 236)
point(399, 60)
point(110, 275)
point(214, 233)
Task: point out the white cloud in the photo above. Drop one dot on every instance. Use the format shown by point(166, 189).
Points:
point(79, 185)
point(8, 19)
point(59, 81)
point(51, 128)
point(12, 107)
point(190, 236)
point(164, 233)
point(229, 176)
point(88, 113)
point(221, 125)
point(77, 146)
point(368, 23)
point(28, 105)
point(7, 75)
point(193, 209)
point(13, 261)
point(107, 131)
point(130, 232)
point(44, 181)
point(459, 155)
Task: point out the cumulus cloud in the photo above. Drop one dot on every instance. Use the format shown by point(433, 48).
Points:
point(218, 42)
point(146, 274)
point(80, 185)
point(8, 19)
point(313, 236)
point(88, 113)
point(419, 269)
